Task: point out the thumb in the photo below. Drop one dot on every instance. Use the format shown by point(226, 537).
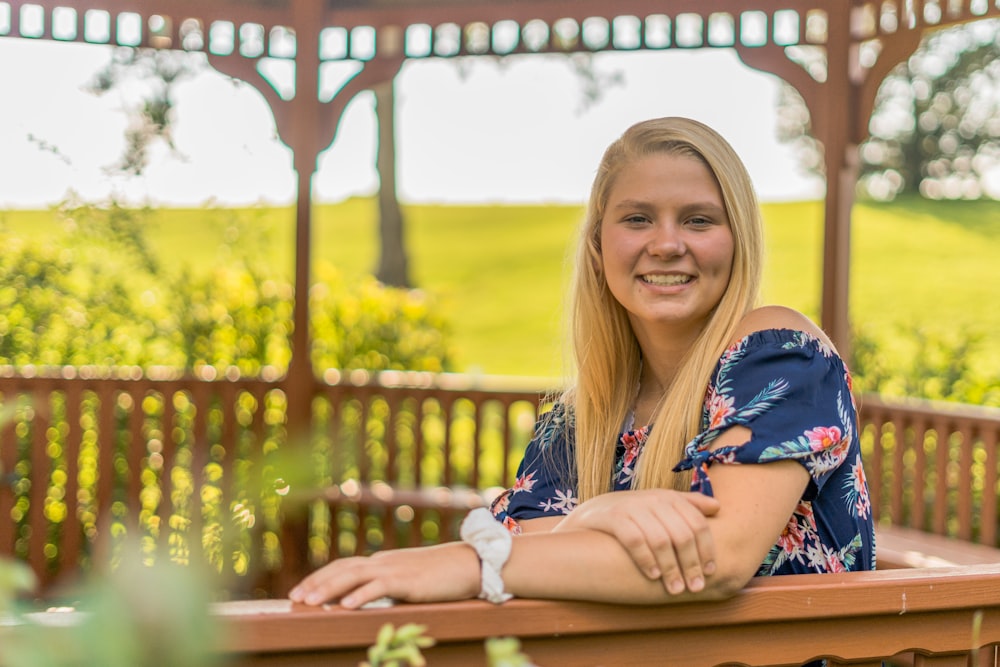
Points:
point(707, 505)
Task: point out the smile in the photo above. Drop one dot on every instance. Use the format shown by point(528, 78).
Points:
point(660, 279)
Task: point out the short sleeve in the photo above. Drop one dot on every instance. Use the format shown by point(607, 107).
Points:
point(544, 485)
point(792, 392)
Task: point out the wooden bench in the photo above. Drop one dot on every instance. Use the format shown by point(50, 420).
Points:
point(899, 547)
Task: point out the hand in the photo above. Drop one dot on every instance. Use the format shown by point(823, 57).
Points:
point(425, 574)
point(665, 532)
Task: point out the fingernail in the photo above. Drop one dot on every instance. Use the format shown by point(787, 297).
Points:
point(654, 573)
point(295, 594)
point(676, 586)
point(709, 567)
point(313, 599)
point(697, 584)
point(348, 602)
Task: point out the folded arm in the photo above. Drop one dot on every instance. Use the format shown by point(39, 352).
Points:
point(756, 502)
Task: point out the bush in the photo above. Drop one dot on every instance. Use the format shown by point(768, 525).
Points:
point(98, 296)
point(934, 366)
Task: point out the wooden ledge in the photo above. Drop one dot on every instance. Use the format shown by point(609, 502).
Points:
point(806, 616)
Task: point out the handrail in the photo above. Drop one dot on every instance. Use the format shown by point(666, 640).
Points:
point(858, 616)
point(82, 449)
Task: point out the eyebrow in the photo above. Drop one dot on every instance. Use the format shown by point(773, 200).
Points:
point(694, 206)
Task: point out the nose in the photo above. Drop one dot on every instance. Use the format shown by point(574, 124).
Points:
point(666, 240)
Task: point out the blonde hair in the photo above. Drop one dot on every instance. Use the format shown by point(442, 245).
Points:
point(605, 351)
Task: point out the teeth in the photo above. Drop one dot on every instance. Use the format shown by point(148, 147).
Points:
point(666, 280)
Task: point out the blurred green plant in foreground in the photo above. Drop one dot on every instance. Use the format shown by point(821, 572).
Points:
point(137, 616)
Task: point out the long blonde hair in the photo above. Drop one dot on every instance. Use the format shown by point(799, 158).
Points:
point(605, 351)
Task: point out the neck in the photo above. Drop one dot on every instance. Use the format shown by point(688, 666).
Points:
point(662, 356)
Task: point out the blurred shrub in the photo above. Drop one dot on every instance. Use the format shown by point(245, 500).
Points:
point(98, 296)
point(934, 365)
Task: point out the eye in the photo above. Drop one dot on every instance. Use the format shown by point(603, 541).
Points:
point(636, 219)
point(699, 221)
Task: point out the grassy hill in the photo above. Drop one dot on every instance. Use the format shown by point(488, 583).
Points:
point(500, 271)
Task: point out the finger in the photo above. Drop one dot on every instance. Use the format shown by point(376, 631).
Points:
point(694, 546)
point(704, 539)
point(707, 505)
point(331, 582)
point(666, 536)
point(637, 543)
point(372, 590)
point(314, 581)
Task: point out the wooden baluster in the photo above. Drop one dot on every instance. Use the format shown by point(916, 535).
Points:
point(168, 454)
point(8, 463)
point(419, 450)
point(107, 432)
point(136, 450)
point(942, 491)
point(338, 467)
point(229, 439)
point(40, 476)
point(364, 470)
point(201, 397)
point(448, 413)
point(390, 474)
point(988, 515)
point(963, 500)
point(505, 441)
point(921, 491)
point(71, 534)
point(899, 423)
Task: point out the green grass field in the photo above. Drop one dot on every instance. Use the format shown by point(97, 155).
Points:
point(500, 271)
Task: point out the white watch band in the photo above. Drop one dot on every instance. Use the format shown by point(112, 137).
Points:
point(492, 543)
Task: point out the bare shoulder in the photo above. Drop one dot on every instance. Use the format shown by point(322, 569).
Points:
point(779, 317)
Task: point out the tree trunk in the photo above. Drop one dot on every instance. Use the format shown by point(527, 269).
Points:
point(393, 265)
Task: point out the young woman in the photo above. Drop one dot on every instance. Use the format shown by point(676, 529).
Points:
point(704, 440)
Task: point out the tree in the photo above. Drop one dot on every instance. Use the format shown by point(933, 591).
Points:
point(935, 128)
point(936, 125)
point(159, 71)
point(393, 263)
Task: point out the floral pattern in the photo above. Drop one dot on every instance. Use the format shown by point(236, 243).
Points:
point(794, 395)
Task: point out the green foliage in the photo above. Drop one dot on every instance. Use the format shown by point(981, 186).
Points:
point(100, 294)
point(150, 616)
point(934, 128)
point(497, 273)
point(399, 648)
point(942, 367)
point(370, 326)
point(506, 652)
point(16, 578)
point(155, 73)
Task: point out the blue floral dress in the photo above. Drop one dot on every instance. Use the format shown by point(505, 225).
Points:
point(794, 394)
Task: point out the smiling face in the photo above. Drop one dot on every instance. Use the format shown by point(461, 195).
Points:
point(666, 244)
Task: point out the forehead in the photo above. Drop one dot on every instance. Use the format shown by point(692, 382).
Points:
point(665, 178)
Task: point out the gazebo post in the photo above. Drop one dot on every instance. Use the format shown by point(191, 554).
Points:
point(835, 129)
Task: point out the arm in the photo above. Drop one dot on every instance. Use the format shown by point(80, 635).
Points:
point(755, 504)
point(581, 564)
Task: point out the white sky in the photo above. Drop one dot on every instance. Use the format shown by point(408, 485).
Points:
point(475, 131)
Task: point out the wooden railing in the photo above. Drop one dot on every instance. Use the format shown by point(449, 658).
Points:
point(943, 616)
point(205, 470)
point(940, 616)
